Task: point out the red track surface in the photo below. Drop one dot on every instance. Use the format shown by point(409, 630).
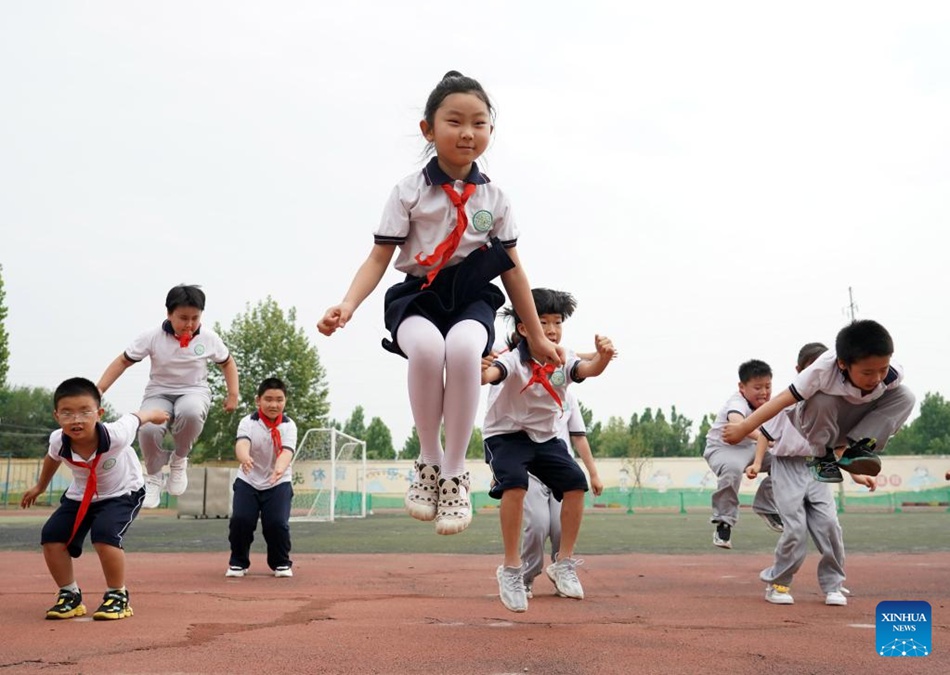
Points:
point(408, 614)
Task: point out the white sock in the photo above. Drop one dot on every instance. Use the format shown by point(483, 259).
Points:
point(72, 588)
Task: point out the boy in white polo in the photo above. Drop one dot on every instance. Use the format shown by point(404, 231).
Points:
point(102, 500)
point(806, 506)
point(521, 436)
point(266, 440)
point(729, 463)
point(180, 350)
point(849, 402)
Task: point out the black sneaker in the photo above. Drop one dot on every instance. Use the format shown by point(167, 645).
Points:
point(825, 469)
point(859, 458)
point(68, 604)
point(774, 521)
point(115, 605)
point(721, 537)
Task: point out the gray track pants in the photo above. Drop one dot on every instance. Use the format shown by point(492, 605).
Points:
point(729, 465)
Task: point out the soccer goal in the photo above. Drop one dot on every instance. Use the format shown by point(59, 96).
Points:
point(329, 477)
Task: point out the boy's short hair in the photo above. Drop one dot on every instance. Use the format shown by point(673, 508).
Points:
point(861, 339)
point(754, 368)
point(77, 386)
point(808, 353)
point(184, 295)
point(271, 383)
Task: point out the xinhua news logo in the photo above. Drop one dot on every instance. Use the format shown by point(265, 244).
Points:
point(903, 628)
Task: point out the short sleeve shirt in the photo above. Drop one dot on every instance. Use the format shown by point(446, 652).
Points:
point(786, 440)
point(419, 215)
point(824, 376)
point(178, 370)
point(737, 403)
point(571, 422)
point(263, 452)
point(118, 472)
point(519, 407)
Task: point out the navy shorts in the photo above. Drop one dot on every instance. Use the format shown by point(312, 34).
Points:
point(107, 521)
point(512, 456)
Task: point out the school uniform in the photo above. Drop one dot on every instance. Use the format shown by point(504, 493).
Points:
point(807, 507)
point(542, 513)
point(104, 504)
point(522, 424)
point(729, 463)
point(419, 215)
point(178, 384)
point(832, 412)
point(255, 497)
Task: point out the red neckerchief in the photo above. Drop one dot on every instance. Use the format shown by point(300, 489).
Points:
point(539, 375)
point(274, 431)
point(91, 489)
point(444, 251)
point(184, 339)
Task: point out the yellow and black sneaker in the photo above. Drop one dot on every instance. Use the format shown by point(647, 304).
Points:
point(115, 605)
point(68, 604)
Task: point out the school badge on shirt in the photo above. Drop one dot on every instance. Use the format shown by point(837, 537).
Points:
point(558, 378)
point(482, 221)
point(199, 350)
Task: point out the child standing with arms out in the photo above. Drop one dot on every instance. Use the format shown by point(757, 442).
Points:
point(455, 233)
point(521, 436)
point(807, 506)
point(849, 401)
point(180, 350)
point(263, 489)
point(729, 463)
point(103, 498)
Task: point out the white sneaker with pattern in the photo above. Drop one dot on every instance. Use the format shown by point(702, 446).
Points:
point(564, 575)
point(455, 508)
point(511, 588)
point(422, 497)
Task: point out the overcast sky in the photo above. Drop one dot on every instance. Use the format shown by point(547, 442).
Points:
point(708, 179)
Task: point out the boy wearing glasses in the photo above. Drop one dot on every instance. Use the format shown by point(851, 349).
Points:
point(180, 350)
point(103, 498)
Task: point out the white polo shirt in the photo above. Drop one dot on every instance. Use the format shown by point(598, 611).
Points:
point(737, 403)
point(119, 471)
point(533, 410)
point(824, 376)
point(419, 215)
point(572, 422)
point(787, 440)
point(262, 450)
point(178, 370)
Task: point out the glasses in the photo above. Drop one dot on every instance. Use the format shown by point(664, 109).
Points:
point(70, 416)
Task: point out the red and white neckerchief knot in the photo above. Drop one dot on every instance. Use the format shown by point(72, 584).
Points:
point(444, 251)
point(91, 489)
point(540, 374)
point(274, 430)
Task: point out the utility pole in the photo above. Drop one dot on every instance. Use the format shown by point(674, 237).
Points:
point(851, 310)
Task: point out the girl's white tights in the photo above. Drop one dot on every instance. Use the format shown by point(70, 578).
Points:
point(444, 387)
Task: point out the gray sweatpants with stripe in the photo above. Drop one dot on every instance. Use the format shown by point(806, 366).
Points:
point(829, 421)
point(188, 414)
point(729, 464)
point(542, 519)
point(807, 508)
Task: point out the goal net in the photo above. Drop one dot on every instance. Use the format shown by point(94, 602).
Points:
point(329, 477)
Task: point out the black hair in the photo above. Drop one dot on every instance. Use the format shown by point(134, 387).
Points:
point(185, 296)
point(754, 368)
point(77, 386)
point(453, 82)
point(808, 353)
point(271, 383)
point(861, 339)
point(546, 301)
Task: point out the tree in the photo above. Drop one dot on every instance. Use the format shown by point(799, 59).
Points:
point(411, 448)
point(476, 445)
point(265, 342)
point(356, 426)
point(698, 446)
point(379, 440)
point(929, 434)
point(4, 343)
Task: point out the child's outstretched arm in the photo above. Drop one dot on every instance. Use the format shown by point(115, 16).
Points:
point(582, 448)
point(734, 432)
point(364, 282)
point(153, 416)
point(280, 465)
point(242, 451)
point(50, 466)
point(519, 292)
point(113, 371)
point(491, 374)
point(761, 447)
point(866, 481)
point(603, 356)
point(230, 371)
